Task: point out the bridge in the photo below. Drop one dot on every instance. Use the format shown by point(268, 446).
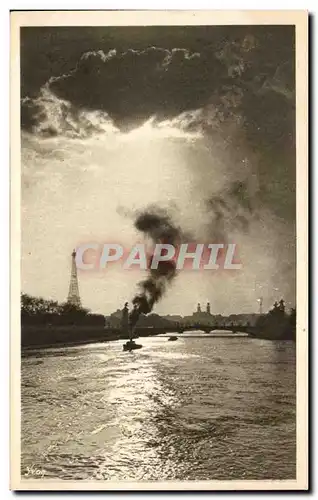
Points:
point(145, 331)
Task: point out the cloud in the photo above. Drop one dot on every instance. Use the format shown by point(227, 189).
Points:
point(49, 116)
point(133, 85)
point(127, 88)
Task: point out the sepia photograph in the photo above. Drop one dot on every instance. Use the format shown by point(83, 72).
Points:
point(159, 324)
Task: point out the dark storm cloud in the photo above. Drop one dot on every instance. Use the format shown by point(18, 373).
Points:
point(134, 85)
point(227, 76)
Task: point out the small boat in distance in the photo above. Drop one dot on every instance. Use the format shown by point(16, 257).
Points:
point(131, 345)
point(172, 338)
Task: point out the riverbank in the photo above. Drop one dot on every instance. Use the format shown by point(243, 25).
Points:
point(85, 342)
point(49, 338)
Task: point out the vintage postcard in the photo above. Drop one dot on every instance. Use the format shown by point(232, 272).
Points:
point(159, 250)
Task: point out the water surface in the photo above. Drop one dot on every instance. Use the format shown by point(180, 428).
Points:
point(199, 408)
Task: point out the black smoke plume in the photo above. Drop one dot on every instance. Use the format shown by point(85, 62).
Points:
point(156, 224)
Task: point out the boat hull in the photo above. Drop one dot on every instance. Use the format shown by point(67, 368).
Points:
point(131, 346)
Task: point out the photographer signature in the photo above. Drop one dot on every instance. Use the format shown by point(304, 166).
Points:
point(34, 472)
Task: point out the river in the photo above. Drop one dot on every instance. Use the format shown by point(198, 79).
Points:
point(200, 408)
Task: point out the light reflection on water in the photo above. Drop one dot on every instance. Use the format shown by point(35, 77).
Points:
point(197, 408)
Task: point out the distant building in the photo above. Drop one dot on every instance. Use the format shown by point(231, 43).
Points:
point(202, 316)
point(173, 317)
point(115, 319)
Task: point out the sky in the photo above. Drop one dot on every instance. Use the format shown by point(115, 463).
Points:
point(198, 121)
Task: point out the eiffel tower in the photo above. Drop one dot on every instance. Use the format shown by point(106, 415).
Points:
point(73, 292)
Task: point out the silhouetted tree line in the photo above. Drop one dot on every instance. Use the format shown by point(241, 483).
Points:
point(277, 323)
point(39, 311)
